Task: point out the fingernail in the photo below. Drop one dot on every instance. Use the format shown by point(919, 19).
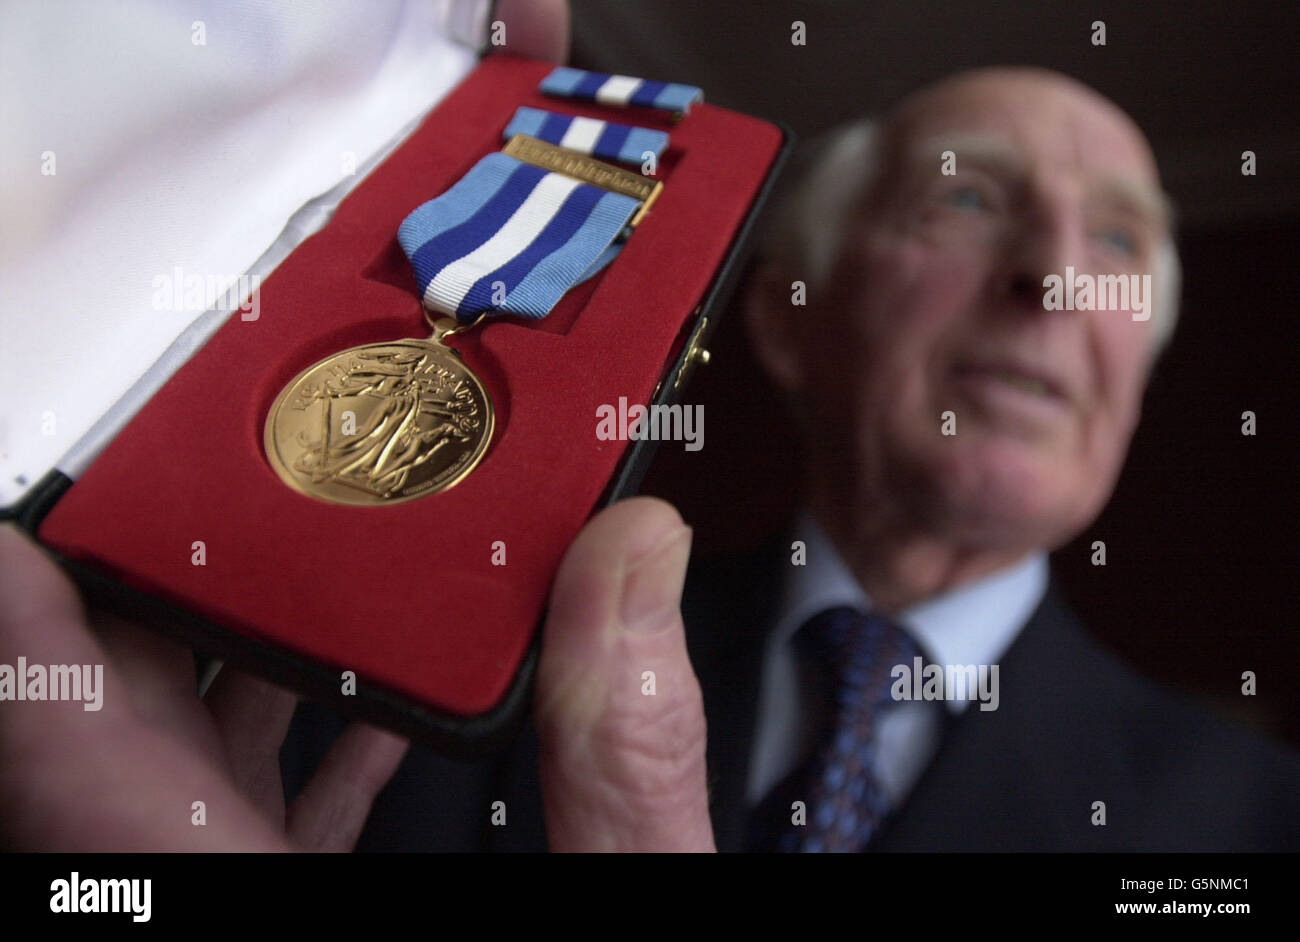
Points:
point(652, 587)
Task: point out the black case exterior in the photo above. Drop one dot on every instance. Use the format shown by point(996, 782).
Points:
point(449, 733)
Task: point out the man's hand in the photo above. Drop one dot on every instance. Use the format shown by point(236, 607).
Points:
point(126, 777)
point(620, 769)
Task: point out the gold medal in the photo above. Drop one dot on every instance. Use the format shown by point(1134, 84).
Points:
point(381, 423)
point(389, 422)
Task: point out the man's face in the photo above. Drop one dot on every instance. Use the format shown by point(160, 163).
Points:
point(938, 307)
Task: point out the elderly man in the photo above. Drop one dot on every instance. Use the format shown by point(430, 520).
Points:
point(957, 428)
point(958, 425)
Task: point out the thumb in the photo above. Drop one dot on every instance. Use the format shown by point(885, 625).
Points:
point(619, 714)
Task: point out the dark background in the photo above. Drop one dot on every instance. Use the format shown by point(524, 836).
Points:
point(1200, 535)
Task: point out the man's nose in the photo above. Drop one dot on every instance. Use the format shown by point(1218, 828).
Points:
point(1043, 242)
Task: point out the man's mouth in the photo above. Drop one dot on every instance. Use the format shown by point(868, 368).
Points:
point(1014, 396)
point(1022, 382)
point(1022, 378)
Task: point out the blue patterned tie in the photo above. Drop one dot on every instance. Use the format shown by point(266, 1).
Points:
point(845, 803)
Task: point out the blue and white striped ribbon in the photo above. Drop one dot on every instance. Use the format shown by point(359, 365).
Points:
point(620, 90)
point(622, 142)
point(507, 226)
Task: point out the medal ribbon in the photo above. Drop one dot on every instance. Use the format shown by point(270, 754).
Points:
point(511, 238)
point(620, 90)
point(622, 142)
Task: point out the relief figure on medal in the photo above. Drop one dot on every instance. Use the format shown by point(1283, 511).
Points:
point(418, 422)
point(419, 407)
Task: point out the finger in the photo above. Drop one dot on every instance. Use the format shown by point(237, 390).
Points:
point(538, 29)
point(42, 625)
point(145, 676)
point(87, 774)
point(252, 717)
point(159, 675)
point(157, 670)
point(37, 592)
point(130, 790)
point(619, 713)
point(332, 809)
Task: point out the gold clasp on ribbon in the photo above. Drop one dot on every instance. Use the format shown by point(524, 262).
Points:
point(587, 169)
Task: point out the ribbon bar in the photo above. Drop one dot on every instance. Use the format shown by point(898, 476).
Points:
point(622, 142)
point(620, 90)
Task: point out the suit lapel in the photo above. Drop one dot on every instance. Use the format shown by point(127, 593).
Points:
point(992, 784)
point(1023, 777)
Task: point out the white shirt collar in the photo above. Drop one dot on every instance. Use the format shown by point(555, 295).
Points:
point(972, 624)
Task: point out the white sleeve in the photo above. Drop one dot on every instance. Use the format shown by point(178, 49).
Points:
point(144, 145)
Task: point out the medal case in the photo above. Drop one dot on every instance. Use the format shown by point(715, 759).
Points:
point(411, 597)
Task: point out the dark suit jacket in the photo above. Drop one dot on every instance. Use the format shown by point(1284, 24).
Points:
point(1074, 726)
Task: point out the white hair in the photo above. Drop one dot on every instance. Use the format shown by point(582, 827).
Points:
point(808, 228)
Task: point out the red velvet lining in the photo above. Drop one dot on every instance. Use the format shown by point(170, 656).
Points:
point(407, 595)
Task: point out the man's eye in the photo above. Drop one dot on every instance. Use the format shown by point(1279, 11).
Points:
point(965, 197)
point(1119, 239)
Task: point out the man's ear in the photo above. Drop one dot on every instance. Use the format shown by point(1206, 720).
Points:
point(771, 321)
